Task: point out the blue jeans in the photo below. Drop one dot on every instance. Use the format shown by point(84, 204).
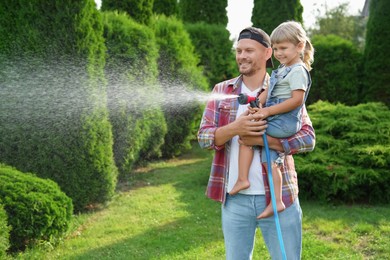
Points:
point(239, 225)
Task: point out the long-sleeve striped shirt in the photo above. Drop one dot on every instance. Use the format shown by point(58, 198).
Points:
point(222, 112)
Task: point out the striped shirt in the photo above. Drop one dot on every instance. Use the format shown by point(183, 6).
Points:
point(222, 112)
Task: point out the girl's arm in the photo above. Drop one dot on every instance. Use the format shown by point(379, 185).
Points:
point(297, 99)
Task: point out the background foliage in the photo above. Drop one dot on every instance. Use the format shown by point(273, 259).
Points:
point(53, 57)
point(336, 71)
point(4, 232)
point(351, 160)
point(178, 68)
point(268, 14)
point(376, 53)
point(139, 126)
point(37, 209)
point(211, 12)
point(140, 10)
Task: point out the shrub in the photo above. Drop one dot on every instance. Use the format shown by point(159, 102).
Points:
point(217, 57)
point(178, 66)
point(138, 122)
point(37, 209)
point(4, 232)
point(351, 160)
point(210, 12)
point(335, 71)
point(53, 114)
point(139, 10)
point(376, 54)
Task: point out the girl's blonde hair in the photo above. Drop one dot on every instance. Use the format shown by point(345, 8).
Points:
point(293, 32)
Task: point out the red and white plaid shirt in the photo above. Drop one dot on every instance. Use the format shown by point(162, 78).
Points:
point(222, 112)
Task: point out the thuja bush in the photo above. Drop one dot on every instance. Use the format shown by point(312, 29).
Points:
point(178, 68)
point(336, 71)
point(37, 209)
point(215, 50)
point(351, 160)
point(53, 114)
point(4, 232)
point(139, 125)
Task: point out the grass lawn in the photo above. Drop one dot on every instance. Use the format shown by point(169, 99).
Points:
point(161, 212)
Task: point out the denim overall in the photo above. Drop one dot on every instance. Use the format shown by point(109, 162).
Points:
point(286, 124)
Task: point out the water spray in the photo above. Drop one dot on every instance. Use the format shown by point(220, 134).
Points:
point(244, 99)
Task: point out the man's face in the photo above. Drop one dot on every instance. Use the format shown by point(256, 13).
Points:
point(251, 56)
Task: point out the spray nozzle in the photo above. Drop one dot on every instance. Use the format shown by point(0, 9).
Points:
point(245, 99)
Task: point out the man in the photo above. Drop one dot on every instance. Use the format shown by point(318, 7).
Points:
point(225, 124)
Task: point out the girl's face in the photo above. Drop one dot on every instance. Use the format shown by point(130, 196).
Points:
point(287, 53)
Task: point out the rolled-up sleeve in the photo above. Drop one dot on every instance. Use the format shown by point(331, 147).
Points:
point(208, 126)
point(304, 140)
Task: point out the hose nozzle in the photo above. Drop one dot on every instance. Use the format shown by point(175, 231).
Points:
point(245, 99)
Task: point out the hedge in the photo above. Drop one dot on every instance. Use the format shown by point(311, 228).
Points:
point(53, 114)
point(351, 160)
point(37, 209)
point(215, 50)
point(138, 122)
point(179, 71)
point(4, 232)
point(336, 71)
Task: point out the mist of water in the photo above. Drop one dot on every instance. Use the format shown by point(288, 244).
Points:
point(31, 93)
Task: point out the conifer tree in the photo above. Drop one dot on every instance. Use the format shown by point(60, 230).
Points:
point(192, 11)
point(166, 7)
point(139, 10)
point(268, 14)
point(376, 54)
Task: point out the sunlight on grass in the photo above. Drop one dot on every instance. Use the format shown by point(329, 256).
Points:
point(161, 212)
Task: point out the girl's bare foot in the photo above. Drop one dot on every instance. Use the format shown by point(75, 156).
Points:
point(269, 211)
point(240, 185)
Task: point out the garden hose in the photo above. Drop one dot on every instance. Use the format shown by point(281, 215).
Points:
point(254, 102)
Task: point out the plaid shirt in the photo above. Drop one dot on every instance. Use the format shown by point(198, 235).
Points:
point(222, 112)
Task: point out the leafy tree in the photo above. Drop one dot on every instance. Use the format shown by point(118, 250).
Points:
point(139, 10)
point(336, 21)
point(212, 12)
point(268, 14)
point(376, 53)
point(166, 7)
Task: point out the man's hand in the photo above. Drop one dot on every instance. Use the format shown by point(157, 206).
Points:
point(245, 125)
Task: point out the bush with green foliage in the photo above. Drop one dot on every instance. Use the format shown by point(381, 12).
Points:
point(37, 209)
point(267, 15)
point(178, 66)
point(351, 160)
point(335, 71)
point(166, 7)
point(210, 12)
point(217, 56)
point(139, 10)
point(4, 232)
point(376, 53)
point(139, 125)
point(53, 114)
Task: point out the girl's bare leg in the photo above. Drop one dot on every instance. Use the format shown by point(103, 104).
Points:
point(277, 179)
point(245, 158)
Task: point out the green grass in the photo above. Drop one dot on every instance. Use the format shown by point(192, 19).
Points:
point(161, 212)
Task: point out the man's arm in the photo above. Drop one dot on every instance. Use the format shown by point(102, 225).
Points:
point(245, 125)
point(303, 141)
